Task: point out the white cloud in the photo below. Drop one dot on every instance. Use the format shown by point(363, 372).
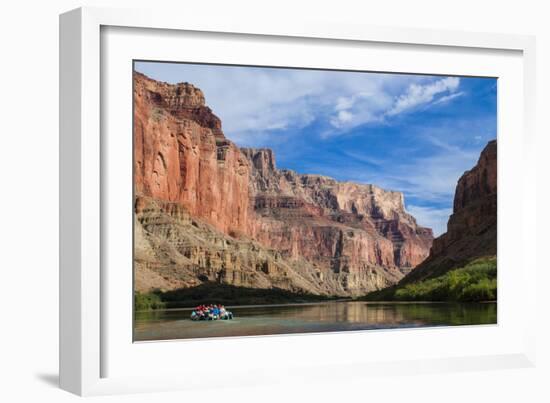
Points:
point(357, 109)
point(344, 103)
point(434, 218)
point(260, 106)
point(447, 98)
point(341, 118)
point(278, 126)
point(256, 102)
point(364, 158)
point(421, 94)
point(365, 107)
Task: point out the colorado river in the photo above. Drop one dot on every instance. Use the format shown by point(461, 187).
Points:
point(311, 318)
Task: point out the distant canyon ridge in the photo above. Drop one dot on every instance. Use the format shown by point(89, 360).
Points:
point(209, 211)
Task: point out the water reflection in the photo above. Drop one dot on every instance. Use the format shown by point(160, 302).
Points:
point(330, 316)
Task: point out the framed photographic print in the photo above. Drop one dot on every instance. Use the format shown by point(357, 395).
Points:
point(229, 242)
point(267, 192)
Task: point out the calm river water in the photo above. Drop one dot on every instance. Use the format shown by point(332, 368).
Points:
point(308, 318)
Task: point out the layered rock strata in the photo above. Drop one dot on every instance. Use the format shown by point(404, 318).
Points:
point(208, 211)
point(345, 226)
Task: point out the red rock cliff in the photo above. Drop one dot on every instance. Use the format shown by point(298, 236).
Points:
point(181, 154)
point(371, 224)
point(472, 228)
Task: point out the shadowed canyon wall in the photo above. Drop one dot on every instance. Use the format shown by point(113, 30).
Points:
point(472, 228)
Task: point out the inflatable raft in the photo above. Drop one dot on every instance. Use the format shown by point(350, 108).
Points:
point(211, 312)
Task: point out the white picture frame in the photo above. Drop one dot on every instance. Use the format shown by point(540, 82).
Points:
point(96, 359)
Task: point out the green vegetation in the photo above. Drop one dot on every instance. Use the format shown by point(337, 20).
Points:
point(225, 294)
point(147, 302)
point(476, 281)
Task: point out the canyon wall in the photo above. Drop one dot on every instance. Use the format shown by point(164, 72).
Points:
point(341, 224)
point(472, 228)
point(206, 210)
point(181, 155)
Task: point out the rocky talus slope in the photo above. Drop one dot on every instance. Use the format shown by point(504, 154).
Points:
point(206, 210)
point(174, 250)
point(472, 228)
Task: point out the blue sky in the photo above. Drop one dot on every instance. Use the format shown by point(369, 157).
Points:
point(412, 133)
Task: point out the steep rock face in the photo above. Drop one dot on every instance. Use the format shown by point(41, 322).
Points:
point(370, 222)
point(472, 228)
point(208, 211)
point(181, 155)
